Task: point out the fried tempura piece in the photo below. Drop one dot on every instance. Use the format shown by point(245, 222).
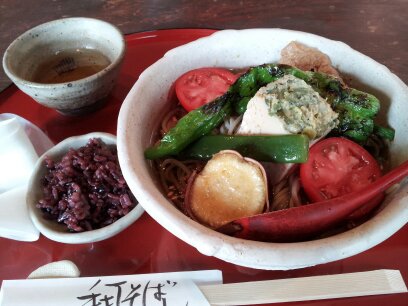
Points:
point(307, 58)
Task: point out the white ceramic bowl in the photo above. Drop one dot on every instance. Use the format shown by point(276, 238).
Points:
point(52, 229)
point(242, 48)
point(24, 55)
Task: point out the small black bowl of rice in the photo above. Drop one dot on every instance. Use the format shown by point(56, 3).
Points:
point(77, 193)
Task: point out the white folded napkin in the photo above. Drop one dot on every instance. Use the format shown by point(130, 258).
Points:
point(39, 140)
point(21, 143)
point(15, 223)
point(17, 155)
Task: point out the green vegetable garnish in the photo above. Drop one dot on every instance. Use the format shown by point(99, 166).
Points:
point(192, 126)
point(279, 149)
point(356, 109)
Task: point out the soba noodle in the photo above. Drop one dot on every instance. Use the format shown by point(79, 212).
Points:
point(174, 175)
point(378, 148)
point(171, 118)
point(286, 193)
point(230, 125)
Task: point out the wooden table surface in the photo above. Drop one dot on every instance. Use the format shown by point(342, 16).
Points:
point(377, 28)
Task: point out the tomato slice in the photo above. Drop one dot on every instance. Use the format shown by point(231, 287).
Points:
point(337, 166)
point(200, 86)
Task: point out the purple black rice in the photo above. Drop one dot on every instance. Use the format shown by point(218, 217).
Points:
point(86, 189)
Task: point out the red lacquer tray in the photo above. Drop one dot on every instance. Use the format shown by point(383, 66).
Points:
point(146, 247)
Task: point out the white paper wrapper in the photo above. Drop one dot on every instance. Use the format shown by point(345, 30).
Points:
point(176, 288)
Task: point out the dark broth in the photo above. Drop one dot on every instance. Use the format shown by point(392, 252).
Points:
point(70, 65)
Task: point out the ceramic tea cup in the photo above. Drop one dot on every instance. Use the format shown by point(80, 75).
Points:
point(68, 64)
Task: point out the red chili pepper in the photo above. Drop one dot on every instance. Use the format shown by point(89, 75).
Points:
point(306, 221)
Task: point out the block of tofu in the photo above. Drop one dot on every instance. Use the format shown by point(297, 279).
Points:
point(288, 106)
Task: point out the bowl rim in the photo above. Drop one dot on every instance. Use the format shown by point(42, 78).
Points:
point(115, 63)
point(82, 237)
point(228, 248)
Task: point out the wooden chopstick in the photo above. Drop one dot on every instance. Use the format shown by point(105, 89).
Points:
point(306, 288)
